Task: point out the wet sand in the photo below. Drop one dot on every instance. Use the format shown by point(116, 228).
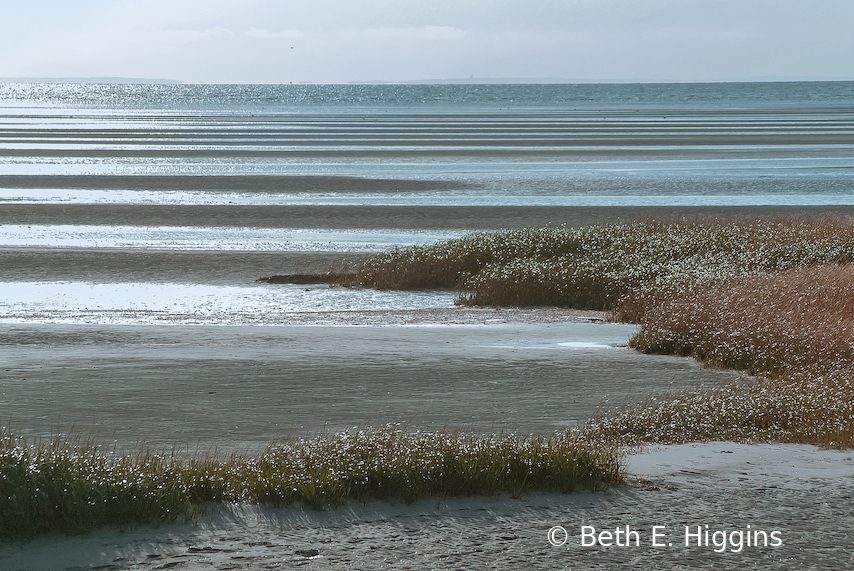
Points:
point(239, 388)
point(799, 491)
point(392, 217)
point(165, 266)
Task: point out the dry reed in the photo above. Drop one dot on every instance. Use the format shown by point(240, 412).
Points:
point(793, 329)
point(789, 321)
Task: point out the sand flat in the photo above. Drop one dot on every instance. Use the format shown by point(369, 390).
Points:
point(239, 388)
point(420, 217)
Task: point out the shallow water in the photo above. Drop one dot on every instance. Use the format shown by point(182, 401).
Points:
point(181, 149)
point(213, 238)
point(194, 303)
point(135, 221)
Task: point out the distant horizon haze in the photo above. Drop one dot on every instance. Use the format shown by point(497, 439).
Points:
point(394, 41)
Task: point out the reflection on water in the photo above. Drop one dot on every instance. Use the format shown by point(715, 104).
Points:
point(425, 199)
point(214, 238)
point(177, 303)
point(404, 145)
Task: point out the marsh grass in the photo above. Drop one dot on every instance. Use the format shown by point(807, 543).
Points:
point(795, 408)
point(792, 321)
point(773, 298)
point(794, 330)
point(608, 266)
point(72, 487)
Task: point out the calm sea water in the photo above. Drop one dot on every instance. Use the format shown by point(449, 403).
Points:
point(404, 145)
point(476, 97)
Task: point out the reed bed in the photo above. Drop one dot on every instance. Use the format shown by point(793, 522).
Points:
point(72, 487)
point(608, 266)
point(791, 321)
point(794, 330)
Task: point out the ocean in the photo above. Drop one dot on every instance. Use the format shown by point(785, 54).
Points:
point(267, 179)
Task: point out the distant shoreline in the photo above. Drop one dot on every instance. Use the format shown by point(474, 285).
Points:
point(429, 81)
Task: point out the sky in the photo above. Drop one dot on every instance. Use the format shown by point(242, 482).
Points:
point(339, 41)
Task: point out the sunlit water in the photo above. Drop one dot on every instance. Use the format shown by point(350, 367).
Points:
point(213, 238)
point(453, 145)
point(183, 303)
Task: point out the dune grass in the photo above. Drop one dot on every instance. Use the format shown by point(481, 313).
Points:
point(603, 267)
point(73, 486)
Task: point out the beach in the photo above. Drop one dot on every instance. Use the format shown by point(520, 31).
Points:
point(133, 236)
point(800, 491)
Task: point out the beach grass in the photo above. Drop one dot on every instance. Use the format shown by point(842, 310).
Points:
point(73, 486)
point(792, 330)
point(607, 267)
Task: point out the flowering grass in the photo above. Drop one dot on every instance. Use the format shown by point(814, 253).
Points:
point(794, 408)
point(65, 486)
point(71, 486)
point(608, 266)
point(794, 330)
point(793, 321)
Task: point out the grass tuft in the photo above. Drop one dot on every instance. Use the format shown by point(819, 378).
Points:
point(71, 486)
point(68, 487)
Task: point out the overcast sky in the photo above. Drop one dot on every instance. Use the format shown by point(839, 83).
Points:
point(332, 41)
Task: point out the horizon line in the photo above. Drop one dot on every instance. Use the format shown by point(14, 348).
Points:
point(433, 81)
